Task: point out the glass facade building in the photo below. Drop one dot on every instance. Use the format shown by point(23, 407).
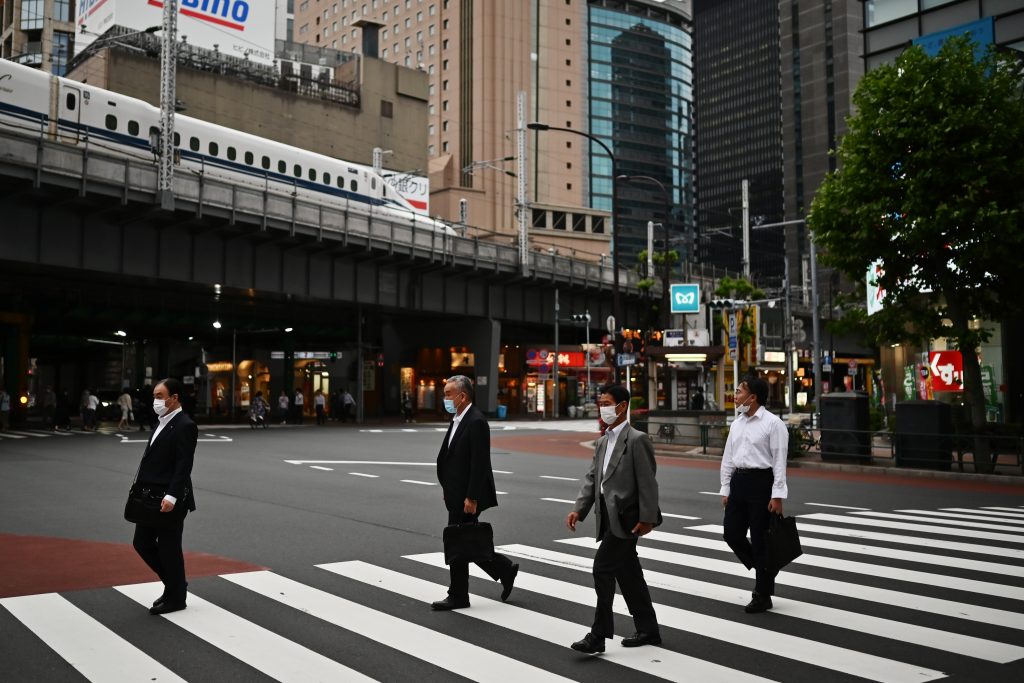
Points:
point(641, 103)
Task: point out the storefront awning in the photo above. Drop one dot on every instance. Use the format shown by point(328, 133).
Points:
point(686, 354)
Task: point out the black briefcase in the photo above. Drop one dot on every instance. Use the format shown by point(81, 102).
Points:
point(143, 507)
point(469, 542)
point(782, 542)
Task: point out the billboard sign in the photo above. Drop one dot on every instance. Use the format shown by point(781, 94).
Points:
point(876, 295)
point(239, 28)
point(946, 370)
point(415, 189)
point(982, 32)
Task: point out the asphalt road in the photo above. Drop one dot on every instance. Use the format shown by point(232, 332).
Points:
point(301, 569)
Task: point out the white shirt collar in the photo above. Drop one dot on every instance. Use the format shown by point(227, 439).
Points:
point(167, 417)
point(458, 417)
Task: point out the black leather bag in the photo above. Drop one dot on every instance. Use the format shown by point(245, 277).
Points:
point(469, 542)
point(782, 542)
point(630, 517)
point(143, 506)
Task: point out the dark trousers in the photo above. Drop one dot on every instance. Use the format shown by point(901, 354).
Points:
point(747, 509)
point(458, 585)
point(321, 416)
point(616, 561)
point(161, 550)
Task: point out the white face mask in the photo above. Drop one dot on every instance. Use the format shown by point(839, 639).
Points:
point(159, 406)
point(608, 415)
point(743, 408)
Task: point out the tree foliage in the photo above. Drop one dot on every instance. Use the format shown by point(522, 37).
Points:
point(930, 181)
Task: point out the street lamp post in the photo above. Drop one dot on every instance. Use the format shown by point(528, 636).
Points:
point(535, 125)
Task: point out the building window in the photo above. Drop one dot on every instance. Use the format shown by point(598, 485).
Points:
point(539, 219)
point(387, 109)
point(444, 147)
point(558, 217)
point(61, 10)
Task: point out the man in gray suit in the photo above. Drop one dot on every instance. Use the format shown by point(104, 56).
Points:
point(621, 487)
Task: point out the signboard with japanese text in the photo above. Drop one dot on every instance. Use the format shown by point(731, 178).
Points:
point(566, 359)
point(946, 370)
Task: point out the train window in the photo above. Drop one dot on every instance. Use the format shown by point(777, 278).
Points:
point(249, 158)
point(111, 122)
point(312, 175)
point(70, 101)
point(341, 183)
point(297, 171)
point(133, 128)
point(327, 178)
point(265, 162)
point(232, 154)
point(282, 167)
point(214, 149)
point(177, 139)
point(353, 185)
point(373, 183)
point(193, 144)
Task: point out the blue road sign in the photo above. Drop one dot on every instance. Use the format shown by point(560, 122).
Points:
point(685, 298)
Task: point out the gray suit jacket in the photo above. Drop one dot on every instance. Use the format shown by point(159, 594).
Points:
point(630, 487)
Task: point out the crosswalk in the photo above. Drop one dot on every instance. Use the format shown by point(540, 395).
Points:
point(19, 434)
point(869, 600)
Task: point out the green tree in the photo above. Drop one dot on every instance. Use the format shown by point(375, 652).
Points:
point(930, 181)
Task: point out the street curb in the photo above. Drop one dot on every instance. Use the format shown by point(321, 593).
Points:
point(1009, 479)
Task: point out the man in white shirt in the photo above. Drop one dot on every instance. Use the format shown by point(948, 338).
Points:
point(753, 478)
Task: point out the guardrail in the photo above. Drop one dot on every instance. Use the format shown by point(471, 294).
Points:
point(92, 169)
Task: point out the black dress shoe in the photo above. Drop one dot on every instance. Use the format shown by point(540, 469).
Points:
point(448, 603)
point(508, 581)
point(590, 644)
point(161, 600)
point(640, 638)
point(760, 603)
point(167, 607)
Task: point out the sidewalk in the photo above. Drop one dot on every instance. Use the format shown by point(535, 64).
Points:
point(877, 464)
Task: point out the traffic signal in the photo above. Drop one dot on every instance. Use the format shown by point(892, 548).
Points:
point(723, 303)
point(580, 317)
point(380, 360)
point(334, 356)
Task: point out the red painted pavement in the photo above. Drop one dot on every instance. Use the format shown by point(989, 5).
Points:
point(42, 564)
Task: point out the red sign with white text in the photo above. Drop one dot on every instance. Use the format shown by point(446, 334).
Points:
point(566, 359)
point(946, 370)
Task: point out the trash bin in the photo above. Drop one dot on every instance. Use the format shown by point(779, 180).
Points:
point(924, 435)
point(845, 426)
point(502, 412)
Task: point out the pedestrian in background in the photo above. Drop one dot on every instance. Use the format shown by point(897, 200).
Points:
point(348, 406)
point(125, 403)
point(320, 404)
point(283, 406)
point(407, 406)
point(298, 406)
point(258, 412)
point(50, 408)
point(622, 490)
point(5, 410)
point(697, 400)
point(753, 478)
point(464, 472)
point(167, 463)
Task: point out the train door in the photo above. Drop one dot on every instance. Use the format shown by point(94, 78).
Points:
point(69, 113)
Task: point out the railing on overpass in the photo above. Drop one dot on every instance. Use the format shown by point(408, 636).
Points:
point(93, 169)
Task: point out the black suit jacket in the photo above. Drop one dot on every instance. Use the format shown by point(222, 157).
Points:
point(464, 468)
point(168, 458)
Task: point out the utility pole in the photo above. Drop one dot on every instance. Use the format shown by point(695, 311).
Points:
point(650, 249)
point(168, 66)
point(787, 336)
point(521, 199)
point(816, 326)
point(554, 368)
point(745, 191)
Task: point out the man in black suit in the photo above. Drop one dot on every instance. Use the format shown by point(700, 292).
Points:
point(464, 470)
point(167, 463)
point(622, 490)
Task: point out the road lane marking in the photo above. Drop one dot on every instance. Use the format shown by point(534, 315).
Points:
point(1019, 511)
point(32, 434)
point(91, 648)
point(559, 500)
point(8, 435)
point(549, 476)
point(956, 515)
point(318, 467)
point(864, 568)
point(263, 650)
point(922, 528)
point(420, 483)
point(779, 644)
point(360, 462)
point(986, 511)
point(447, 652)
point(368, 476)
point(934, 543)
point(651, 660)
point(673, 516)
point(885, 596)
point(944, 522)
point(892, 553)
point(842, 507)
point(970, 646)
point(709, 493)
point(502, 472)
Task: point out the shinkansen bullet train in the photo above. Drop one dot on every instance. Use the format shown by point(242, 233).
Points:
point(68, 111)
